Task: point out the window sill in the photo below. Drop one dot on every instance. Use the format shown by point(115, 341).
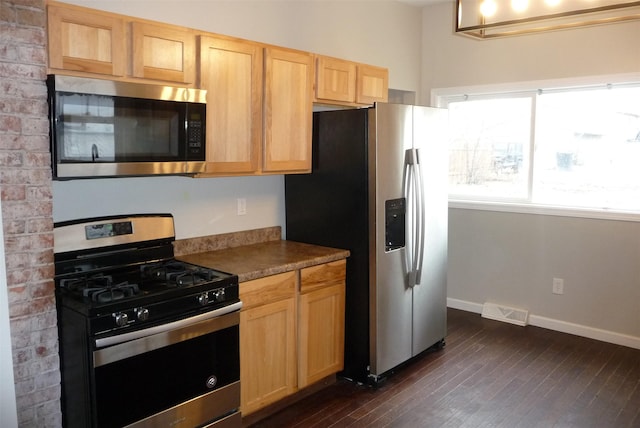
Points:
point(545, 210)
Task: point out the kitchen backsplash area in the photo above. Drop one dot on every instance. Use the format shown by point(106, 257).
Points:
point(226, 240)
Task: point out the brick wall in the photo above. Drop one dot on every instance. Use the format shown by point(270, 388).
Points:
point(25, 186)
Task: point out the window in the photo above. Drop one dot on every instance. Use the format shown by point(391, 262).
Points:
point(577, 148)
point(489, 148)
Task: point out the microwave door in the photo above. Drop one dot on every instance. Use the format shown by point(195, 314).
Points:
point(105, 135)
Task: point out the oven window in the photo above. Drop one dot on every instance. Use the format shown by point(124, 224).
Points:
point(100, 128)
point(137, 387)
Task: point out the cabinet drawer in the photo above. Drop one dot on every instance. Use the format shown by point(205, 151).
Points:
point(324, 275)
point(268, 289)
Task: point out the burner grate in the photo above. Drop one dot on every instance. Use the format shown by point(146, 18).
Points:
point(100, 288)
point(111, 293)
point(177, 274)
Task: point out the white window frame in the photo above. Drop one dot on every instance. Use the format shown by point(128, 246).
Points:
point(440, 97)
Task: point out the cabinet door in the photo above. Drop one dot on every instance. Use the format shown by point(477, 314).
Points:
point(267, 340)
point(231, 72)
point(321, 322)
point(372, 84)
point(162, 53)
point(86, 41)
point(335, 79)
point(288, 111)
point(267, 354)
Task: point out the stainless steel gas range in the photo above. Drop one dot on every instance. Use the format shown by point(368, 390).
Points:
point(145, 340)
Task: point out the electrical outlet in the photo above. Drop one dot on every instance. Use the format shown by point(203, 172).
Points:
point(242, 206)
point(558, 286)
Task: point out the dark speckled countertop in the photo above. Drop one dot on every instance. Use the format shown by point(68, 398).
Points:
point(265, 258)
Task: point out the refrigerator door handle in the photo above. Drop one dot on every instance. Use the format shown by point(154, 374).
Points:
point(412, 186)
point(420, 219)
point(406, 189)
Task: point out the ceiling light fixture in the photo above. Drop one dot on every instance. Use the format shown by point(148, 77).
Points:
point(483, 19)
point(519, 5)
point(488, 8)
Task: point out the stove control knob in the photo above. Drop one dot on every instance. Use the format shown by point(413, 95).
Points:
point(142, 314)
point(203, 299)
point(220, 295)
point(121, 319)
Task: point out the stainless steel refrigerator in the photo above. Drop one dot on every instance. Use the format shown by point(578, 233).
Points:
point(379, 189)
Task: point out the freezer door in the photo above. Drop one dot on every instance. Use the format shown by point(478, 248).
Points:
point(390, 130)
point(429, 294)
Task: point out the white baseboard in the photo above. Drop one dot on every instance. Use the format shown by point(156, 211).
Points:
point(557, 325)
point(464, 305)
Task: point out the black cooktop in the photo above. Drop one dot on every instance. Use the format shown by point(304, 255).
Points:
point(134, 285)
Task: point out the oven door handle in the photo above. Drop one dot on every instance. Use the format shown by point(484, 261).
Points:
point(119, 347)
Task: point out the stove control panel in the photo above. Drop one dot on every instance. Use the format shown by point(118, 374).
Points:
point(212, 296)
point(143, 311)
point(130, 316)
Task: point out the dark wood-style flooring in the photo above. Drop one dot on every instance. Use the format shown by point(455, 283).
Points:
point(490, 374)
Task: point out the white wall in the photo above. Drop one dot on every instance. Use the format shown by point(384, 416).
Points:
point(383, 33)
point(451, 60)
point(511, 258)
point(200, 207)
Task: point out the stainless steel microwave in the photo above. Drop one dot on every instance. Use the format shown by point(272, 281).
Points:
point(103, 128)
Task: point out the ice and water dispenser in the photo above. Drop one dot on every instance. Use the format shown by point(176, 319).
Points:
point(394, 214)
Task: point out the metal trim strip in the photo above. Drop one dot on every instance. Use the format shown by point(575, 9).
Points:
point(83, 85)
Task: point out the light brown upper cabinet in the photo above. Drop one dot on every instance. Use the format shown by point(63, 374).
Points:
point(231, 72)
point(288, 110)
point(86, 41)
point(335, 79)
point(372, 84)
point(162, 53)
point(259, 107)
point(348, 83)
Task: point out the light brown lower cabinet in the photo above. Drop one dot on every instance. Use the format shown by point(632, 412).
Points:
point(321, 322)
point(321, 334)
point(267, 340)
point(291, 332)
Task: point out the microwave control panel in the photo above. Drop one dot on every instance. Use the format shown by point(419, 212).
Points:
point(195, 135)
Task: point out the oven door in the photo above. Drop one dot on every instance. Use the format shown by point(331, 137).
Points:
point(186, 376)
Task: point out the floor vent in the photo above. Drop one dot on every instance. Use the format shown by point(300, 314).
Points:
point(504, 313)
